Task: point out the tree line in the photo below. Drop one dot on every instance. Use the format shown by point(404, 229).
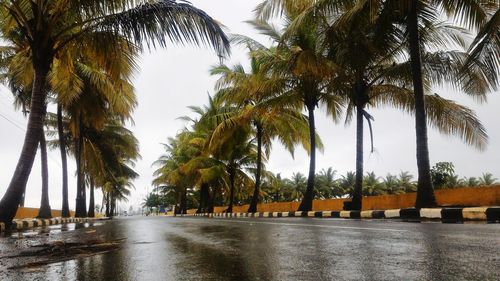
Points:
point(347, 57)
point(328, 185)
point(80, 56)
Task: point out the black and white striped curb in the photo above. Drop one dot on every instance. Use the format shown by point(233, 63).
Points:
point(446, 215)
point(23, 224)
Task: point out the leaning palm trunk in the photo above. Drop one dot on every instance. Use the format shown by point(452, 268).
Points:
point(255, 198)
point(358, 185)
point(64, 161)
point(306, 204)
point(44, 212)
point(17, 186)
point(425, 190)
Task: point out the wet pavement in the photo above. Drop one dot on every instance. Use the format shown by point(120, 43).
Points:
point(189, 248)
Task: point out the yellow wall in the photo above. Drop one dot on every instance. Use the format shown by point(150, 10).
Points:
point(24, 213)
point(471, 196)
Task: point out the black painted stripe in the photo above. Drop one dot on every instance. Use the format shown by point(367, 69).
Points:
point(452, 215)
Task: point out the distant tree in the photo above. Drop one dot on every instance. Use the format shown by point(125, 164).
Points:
point(372, 185)
point(487, 179)
point(442, 173)
point(347, 183)
point(406, 182)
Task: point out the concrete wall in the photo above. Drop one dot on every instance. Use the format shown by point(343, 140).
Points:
point(26, 213)
point(472, 196)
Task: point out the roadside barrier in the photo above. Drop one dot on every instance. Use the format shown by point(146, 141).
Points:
point(24, 224)
point(445, 215)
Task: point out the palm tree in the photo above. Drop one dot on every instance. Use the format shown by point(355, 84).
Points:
point(51, 27)
point(249, 92)
point(108, 157)
point(392, 185)
point(487, 179)
point(415, 15)
point(327, 185)
point(347, 183)
point(298, 62)
point(372, 185)
point(405, 180)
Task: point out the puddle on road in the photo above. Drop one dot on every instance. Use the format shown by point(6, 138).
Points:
point(59, 251)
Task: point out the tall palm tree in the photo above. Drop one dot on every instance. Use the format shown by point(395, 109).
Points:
point(249, 92)
point(298, 61)
point(366, 48)
point(52, 26)
point(414, 15)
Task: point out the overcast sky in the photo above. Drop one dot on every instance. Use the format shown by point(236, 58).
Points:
point(172, 79)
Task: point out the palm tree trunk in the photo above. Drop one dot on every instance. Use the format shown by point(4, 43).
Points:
point(80, 211)
point(255, 198)
point(62, 147)
point(112, 206)
point(17, 186)
point(202, 199)
point(44, 212)
point(211, 200)
point(358, 185)
point(183, 203)
point(232, 176)
point(108, 207)
point(306, 204)
point(21, 204)
point(425, 190)
point(91, 212)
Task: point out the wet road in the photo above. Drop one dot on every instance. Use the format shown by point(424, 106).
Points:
point(159, 248)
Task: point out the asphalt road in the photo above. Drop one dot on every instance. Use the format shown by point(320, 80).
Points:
point(189, 248)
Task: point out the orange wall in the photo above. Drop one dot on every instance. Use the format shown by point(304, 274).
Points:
point(471, 196)
point(24, 213)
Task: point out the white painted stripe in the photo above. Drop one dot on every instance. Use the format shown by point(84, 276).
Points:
point(29, 223)
point(265, 214)
point(275, 214)
point(326, 214)
point(19, 224)
point(310, 213)
point(394, 213)
point(430, 213)
point(478, 213)
point(298, 214)
point(345, 214)
point(366, 214)
point(284, 214)
point(281, 222)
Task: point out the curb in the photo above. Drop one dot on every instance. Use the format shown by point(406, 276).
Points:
point(445, 215)
point(24, 224)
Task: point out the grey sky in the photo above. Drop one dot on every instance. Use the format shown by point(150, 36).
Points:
point(172, 79)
